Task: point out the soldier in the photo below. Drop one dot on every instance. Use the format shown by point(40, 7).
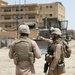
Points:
point(24, 51)
point(55, 61)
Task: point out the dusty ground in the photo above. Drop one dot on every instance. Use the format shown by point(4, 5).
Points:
point(8, 68)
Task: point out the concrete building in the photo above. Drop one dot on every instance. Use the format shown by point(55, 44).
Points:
point(11, 15)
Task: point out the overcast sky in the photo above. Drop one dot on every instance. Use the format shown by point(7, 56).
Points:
point(68, 4)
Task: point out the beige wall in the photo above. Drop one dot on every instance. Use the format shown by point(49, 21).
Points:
point(61, 12)
point(30, 13)
point(3, 3)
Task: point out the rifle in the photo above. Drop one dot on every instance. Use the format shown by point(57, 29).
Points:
point(45, 67)
point(49, 52)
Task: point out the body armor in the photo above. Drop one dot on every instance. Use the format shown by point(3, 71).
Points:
point(23, 50)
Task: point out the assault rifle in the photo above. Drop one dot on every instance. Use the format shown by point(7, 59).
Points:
point(50, 52)
point(46, 67)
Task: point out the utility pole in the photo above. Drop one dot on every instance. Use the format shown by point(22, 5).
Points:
point(15, 2)
point(24, 1)
point(17, 25)
point(46, 22)
point(19, 8)
point(18, 17)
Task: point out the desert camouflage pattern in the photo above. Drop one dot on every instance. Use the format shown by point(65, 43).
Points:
point(25, 67)
point(53, 70)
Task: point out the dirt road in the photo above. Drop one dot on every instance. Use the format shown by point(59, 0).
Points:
point(8, 68)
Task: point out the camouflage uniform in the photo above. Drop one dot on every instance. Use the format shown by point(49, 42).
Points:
point(25, 67)
point(53, 69)
point(56, 46)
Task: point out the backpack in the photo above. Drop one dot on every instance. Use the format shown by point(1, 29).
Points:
point(65, 53)
point(67, 50)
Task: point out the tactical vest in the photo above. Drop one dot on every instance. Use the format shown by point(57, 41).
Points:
point(24, 50)
point(50, 52)
point(50, 56)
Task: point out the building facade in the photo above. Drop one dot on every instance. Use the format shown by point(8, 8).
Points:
point(12, 15)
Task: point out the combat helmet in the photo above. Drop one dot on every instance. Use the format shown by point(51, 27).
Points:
point(56, 31)
point(24, 29)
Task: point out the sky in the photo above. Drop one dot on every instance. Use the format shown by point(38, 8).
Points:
point(68, 4)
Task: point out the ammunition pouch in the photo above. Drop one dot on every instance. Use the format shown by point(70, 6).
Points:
point(61, 57)
point(61, 68)
point(49, 58)
point(31, 57)
point(15, 57)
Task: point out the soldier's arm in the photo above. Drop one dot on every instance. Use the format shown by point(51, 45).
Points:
point(56, 57)
point(11, 51)
point(45, 39)
point(36, 50)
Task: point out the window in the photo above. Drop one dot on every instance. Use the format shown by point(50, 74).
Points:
point(19, 17)
point(46, 6)
point(31, 17)
point(7, 26)
point(7, 10)
point(50, 14)
point(7, 17)
point(50, 6)
point(19, 9)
